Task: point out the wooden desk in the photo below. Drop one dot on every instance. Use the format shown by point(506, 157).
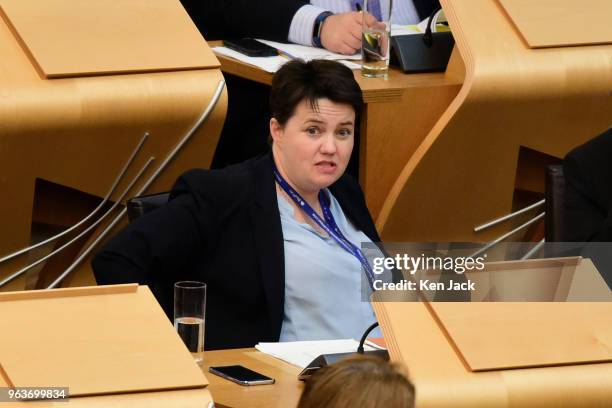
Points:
point(399, 112)
point(64, 141)
point(284, 393)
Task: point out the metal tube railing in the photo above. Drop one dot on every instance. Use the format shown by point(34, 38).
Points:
point(205, 114)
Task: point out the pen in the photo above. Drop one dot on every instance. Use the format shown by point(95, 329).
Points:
point(286, 55)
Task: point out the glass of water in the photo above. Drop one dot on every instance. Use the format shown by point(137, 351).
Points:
point(189, 315)
point(375, 38)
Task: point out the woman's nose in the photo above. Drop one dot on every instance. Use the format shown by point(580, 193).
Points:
point(328, 144)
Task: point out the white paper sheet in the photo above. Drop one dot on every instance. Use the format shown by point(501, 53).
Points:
point(295, 51)
point(404, 30)
point(268, 64)
point(301, 353)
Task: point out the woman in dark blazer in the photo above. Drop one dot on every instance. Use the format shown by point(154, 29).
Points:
point(226, 228)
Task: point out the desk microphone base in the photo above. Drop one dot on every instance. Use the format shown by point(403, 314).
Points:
point(326, 359)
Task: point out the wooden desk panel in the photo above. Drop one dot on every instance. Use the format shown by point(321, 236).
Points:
point(559, 23)
point(125, 353)
point(464, 172)
point(196, 398)
point(93, 37)
point(77, 133)
point(442, 380)
point(84, 338)
point(284, 393)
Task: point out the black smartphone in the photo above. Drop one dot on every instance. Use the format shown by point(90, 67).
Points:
point(241, 375)
point(250, 47)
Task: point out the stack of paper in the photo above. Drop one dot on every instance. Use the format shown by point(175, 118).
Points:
point(295, 51)
point(301, 353)
point(268, 64)
point(437, 26)
point(289, 52)
point(397, 29)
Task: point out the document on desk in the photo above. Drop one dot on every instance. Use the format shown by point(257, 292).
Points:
point(439, 26)
point(295, 51)
point(268, 64)
point(301, 353)
point(397, 29)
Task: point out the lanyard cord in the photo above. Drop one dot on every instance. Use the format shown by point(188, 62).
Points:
point(328, 225)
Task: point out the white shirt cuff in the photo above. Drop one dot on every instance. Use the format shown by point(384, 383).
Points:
point(302, 24)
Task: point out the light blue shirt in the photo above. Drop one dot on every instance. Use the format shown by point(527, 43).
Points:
point(302, 24)
point(323, 282)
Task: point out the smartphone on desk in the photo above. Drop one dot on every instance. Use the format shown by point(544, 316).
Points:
point(241, 375)
point(250, 47)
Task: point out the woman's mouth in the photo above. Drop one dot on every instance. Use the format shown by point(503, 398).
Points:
point(326, 167)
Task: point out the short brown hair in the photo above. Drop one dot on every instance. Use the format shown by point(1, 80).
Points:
point(361, 381)
point(317, 79)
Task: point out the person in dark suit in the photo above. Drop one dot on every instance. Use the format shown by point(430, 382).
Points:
point(339, 22)
point(275, 238)
point(588, 201)
point(223, 19)
point(273, 20)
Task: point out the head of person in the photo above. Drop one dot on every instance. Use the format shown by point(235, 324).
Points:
point(360, 381)
point(315, 108)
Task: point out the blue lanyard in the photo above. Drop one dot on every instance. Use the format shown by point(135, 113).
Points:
point(329, 225)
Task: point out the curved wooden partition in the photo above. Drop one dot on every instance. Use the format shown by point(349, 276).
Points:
point(464, 172)
point(64, 141)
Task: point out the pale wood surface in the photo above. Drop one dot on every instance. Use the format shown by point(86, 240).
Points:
point(374, 89)
point(391, 133)
point(399, 112)
point(93, 341)
point(76, 38)
point(519, 334)
point(557, 23)
point(526, 334)
point(284, 393)
point(78, 133)
point(567, 279)
point(463, 172)
point(443, 380)
point(193, 398)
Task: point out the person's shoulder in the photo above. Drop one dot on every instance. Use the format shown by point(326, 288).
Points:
point(587, 170)
point(236, 173)
point(233, 182)
point(598, 149)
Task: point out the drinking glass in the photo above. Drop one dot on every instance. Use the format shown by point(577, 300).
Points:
point(375, 44)
point(189, 315)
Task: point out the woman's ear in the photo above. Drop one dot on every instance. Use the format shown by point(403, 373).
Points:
point(276, 130)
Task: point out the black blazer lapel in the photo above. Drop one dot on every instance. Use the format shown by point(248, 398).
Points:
point(269, 243)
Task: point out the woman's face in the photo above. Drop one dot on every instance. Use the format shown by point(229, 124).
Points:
point(313, 148)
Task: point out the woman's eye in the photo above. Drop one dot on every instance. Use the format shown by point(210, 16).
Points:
point(312, 130)
point(345, 132)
